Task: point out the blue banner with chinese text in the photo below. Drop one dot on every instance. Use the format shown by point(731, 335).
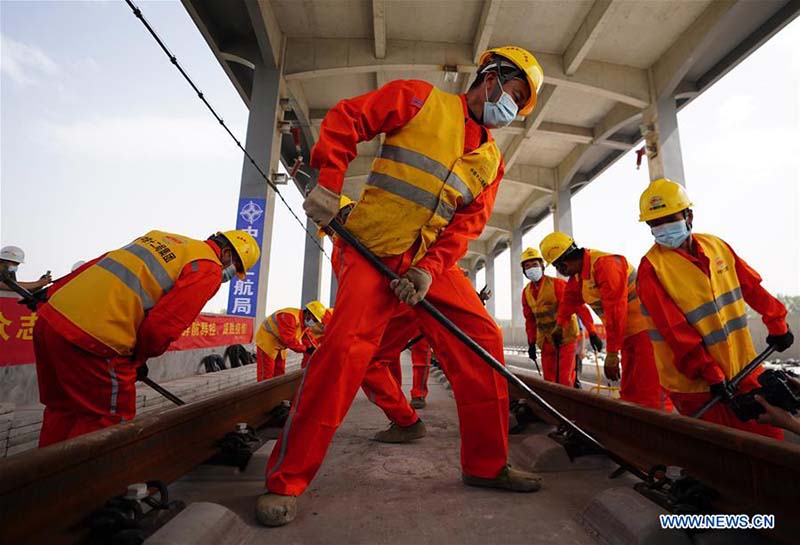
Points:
point(243, 293)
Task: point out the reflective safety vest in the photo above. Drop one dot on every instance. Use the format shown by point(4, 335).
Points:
point(268, 337)
point(636, 322)
point(420, 178)
point(545, 308)
point(713, 306)
point(110, 299)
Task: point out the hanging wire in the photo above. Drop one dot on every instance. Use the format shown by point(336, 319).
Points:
point(174, 60)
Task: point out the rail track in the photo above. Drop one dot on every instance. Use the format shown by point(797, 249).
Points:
point(47, 494)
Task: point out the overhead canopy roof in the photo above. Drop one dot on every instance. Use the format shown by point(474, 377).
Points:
point(604, 62)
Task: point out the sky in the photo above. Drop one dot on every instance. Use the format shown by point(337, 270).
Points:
point(101, 140)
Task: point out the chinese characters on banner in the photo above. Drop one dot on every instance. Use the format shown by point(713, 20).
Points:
point(243, 293)
point(206, 331)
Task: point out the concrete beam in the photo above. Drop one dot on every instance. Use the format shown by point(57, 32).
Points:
point(485, 28)
point(308, 58)
point(571, 133)
point(299, 104)
point(379, 27)
point(501, 222)
point(669, 70)
point(619, 116)
point(268, 33)
point(543, 103)
point(587, 34)
point(540, 178)
point(571, 164)
point(477, 247)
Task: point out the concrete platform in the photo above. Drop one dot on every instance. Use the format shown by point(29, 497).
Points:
point(368, 492)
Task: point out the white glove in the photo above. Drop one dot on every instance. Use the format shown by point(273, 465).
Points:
point(321, 205)
point(412, 287)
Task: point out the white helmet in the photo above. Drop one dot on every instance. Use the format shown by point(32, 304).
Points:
point(13, 254)
point(77, 265)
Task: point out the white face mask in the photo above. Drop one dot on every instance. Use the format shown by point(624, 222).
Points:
point(12, 268)
point(228, 273)
point(311, 323)
point(534, 273)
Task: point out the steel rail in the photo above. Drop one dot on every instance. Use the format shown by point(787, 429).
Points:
point(752, 473)
point(46, 494)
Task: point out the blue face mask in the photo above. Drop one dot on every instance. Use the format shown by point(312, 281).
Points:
point(501, 113)
point(671, 235)
point(228, 273)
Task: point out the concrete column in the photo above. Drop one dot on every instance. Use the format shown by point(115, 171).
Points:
point(490, 283)
point(312, 267)
point(662, 138)
point(517, 319)
point(562, 216)
point(472, 273)
point(334, 288)
point(263, 145)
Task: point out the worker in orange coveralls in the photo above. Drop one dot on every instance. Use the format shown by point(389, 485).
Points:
point(430, 192)
point(284, 329)
point(694, 288)
point(540, 302)
point(108, 317)
point(607, 283)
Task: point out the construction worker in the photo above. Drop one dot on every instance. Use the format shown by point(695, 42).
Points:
point(285, 328)
point(106, 319)
point(11, 257)
point(607, 283)
point(431, 190)
point(694, 287)
point(540, 302)
point(313, 337)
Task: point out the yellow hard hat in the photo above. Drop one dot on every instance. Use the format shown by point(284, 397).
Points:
point(662, 197)
point(526, 62)
point(344, 200)
point(555, 245)
point(245, 247)
point(528, 254)
point(316, 309)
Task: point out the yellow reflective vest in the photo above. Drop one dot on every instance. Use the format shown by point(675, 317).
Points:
point(636, 322)
point(713, 306)
point(110, 299)
point(268, 337)
point(544, 308)
point(420, 178)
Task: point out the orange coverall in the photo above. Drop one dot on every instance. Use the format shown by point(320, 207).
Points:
point(365, 304)
point(566, 363)
point(691, 357)
point(270, 366)
point(84, 385)
point(639, 382)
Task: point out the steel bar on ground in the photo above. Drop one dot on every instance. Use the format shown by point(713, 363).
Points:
point(754, 474)
point(46, 494)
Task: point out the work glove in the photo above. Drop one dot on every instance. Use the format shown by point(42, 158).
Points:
point(557, 336)
point(781, 342)
point(141, 372)
point(532, 351)
point(723, 390)
point(596, 342)
point(310, 350)
point(611, 366)
point(321, 205)
point(412, 287)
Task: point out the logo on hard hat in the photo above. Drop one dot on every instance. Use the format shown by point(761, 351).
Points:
point(656, 202)
point(251, 211)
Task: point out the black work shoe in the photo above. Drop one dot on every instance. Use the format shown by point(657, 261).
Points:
point(509, 478)
point(399, 434)
point(418, 403)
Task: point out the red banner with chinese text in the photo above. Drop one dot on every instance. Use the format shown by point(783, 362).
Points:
point(210, 330)
point(207, 331)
